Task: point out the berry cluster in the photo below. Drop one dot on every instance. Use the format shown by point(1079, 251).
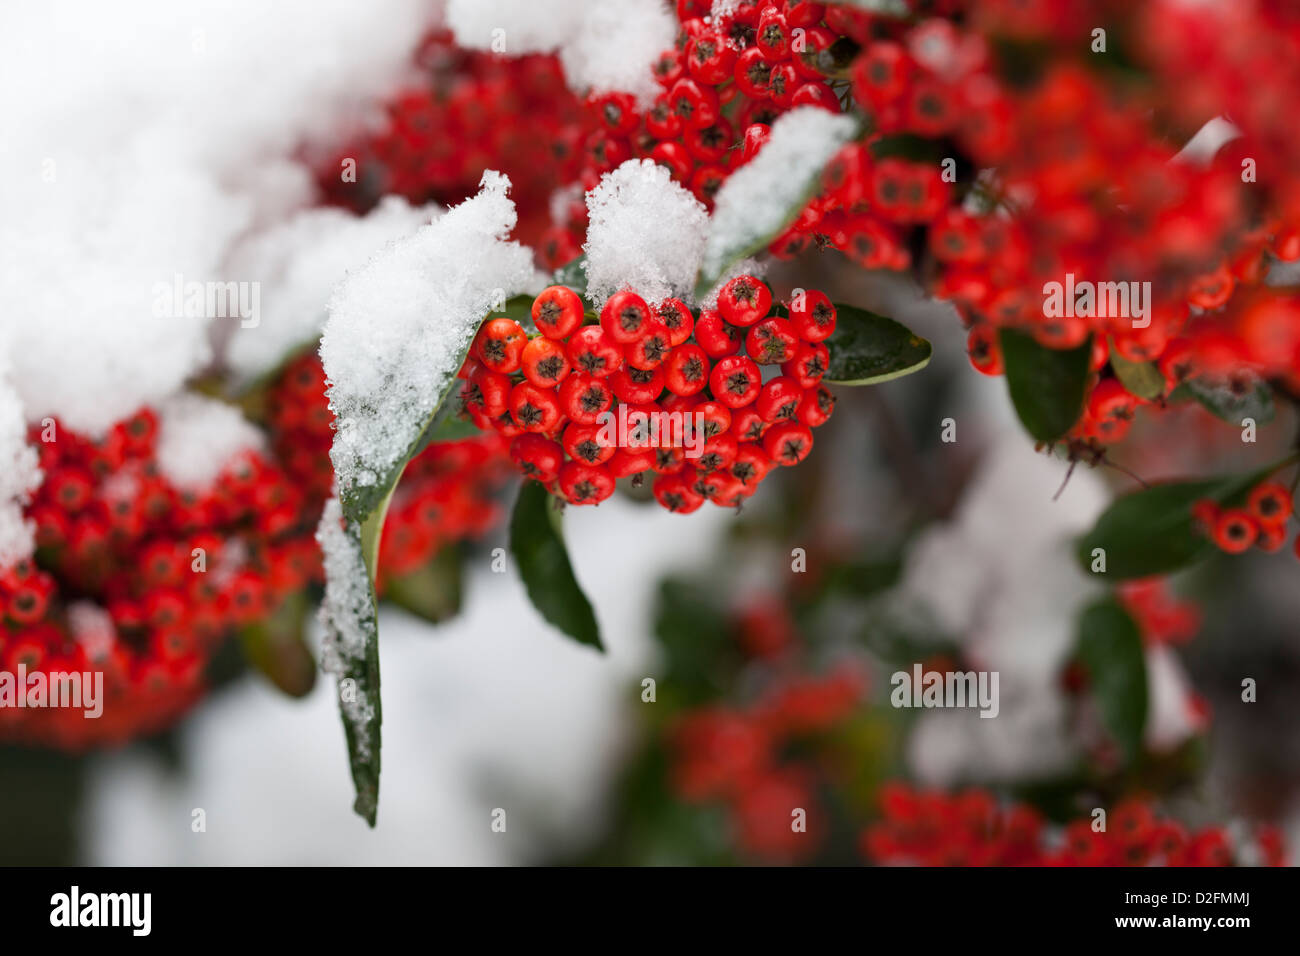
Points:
point(698, 412)
point(1261, 522)
point(926, 828)
point(728, 77)
point(140, 579)
point(1161, 616)
point(472, 111)
point(735, 756)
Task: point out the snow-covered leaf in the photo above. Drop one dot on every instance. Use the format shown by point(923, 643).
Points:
point(398, 331)
point(762, 198)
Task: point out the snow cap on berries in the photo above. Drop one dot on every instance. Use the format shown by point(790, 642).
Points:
point(646, 233)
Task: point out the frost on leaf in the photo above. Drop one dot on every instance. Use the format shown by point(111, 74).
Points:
point(646, 232)
point(399, 327)
point(758, 200)
point(348, 615)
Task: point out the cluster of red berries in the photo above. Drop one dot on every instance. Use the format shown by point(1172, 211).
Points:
point(735, 756)
point(471, 111)
point(141, 580)
point(725, 81)
point(928, 828)
point(448, 492)
point(698, 413)
point(1261, 522)
point(1161, 616)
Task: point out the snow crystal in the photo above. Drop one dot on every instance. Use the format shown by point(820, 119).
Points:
point(617, 45)
point(198, 437)
point(20, 474)
point(603, 45)
point(646, 233)
point(139, 143)
point(397, 328)
point(347, 612)
point(755, 201)
point(297, 264)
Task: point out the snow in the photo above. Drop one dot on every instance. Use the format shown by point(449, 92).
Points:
point(646, 233)
point(141, 139)
point(347, 615)
point(397, 328)
point(198, 437)
point(298, 263)
point(757, 200)
point(20, 474)
point(604, 45)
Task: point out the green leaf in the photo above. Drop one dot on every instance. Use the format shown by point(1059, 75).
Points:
point(431, 592)
point(276, 646)
point(1142, 379)
point(1151, 531)
point(867, 348)
point(573, 275)
point(1047, 385)
point(1253, 401)
point(537, 543)
point(1110, 648)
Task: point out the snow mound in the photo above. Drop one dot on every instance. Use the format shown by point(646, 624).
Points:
point(198, 437)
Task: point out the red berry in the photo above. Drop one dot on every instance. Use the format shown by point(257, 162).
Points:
point(1235, 531)
point(651, 349)
point(676, 158)
point(753, 71)
point(583, 397)
point(637, 386)
point(779, 399)
point(631, 461)
point(813, 316)
point(816, 406)
point(583, 484)
point(748, 424)
point(544, 362)
point(773, 37)
point(557, 311)
point(624, 317)
point(719, 452)
point(751, 464)
point(788, 443)
point(744, 300)
point(983, 349)
point(500, 345)
point(535, 409)
point(772, 341)
point(676, 494)
point(677, 320)
point(735, 381)
point(594, 352)
point(687, 370)
point(588, 443)
point(710, 59)
point(697, 106)
point(537, 457)
point(808, 364)
point(716, 336)
point(1270, 503)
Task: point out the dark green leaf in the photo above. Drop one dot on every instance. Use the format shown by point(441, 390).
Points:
point(277, 647)
point(1253, 400)
point(1047, 385)
point(867, 348)
point(1151, 531)
point(1110, 648)
point(1142, 379)
point(538, 548)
